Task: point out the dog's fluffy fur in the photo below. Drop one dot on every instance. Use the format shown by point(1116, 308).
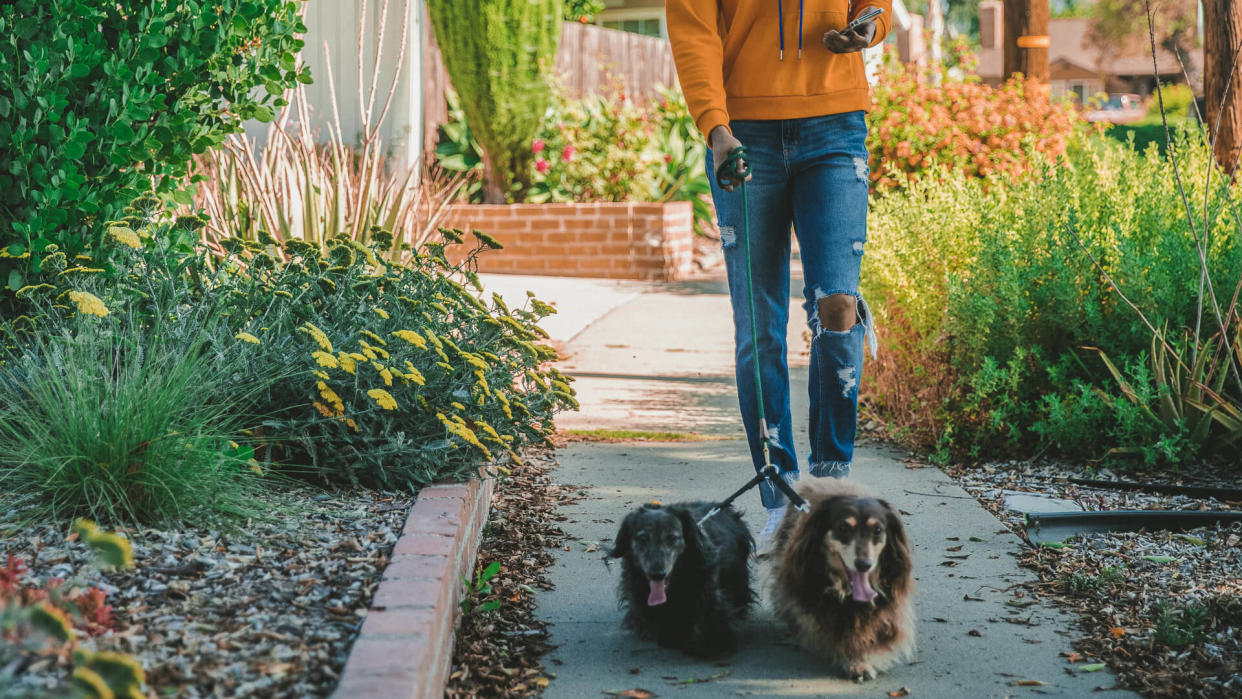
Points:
point(684, 585)
point(812, 586)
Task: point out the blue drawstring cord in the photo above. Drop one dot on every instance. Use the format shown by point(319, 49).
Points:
point(800, 30)
point(780, 19)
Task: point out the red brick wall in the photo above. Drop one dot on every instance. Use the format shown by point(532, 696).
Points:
point(616, 240)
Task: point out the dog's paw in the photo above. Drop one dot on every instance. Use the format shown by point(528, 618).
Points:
point(861, 672)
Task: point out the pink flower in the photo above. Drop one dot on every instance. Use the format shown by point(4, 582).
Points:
point(668, 157)
point(542, 166)
point(538, 146)
point(568, 154)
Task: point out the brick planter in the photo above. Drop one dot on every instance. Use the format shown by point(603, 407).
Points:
point(616, 240)
point(405, 647)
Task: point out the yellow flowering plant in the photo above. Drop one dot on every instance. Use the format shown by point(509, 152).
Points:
point(406, 373)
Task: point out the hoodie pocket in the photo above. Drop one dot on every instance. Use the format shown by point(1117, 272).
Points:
point(756, 68)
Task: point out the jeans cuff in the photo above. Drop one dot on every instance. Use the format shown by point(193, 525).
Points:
point(830, 469)
point(771, 495)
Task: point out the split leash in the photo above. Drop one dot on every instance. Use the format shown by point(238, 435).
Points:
point(736, 167)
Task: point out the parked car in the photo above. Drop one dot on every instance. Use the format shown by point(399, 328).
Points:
point(1117, 108)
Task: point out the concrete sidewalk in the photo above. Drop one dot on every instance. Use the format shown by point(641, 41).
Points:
point(662, 360)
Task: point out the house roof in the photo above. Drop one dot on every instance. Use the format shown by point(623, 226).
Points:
point(1069, 44)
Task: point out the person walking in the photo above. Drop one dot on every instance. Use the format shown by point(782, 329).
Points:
point(785, 78)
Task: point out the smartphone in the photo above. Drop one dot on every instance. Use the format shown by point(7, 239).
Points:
point(867, 15)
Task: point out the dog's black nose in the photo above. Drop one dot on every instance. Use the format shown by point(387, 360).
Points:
point(657, 577)
point(862, 565)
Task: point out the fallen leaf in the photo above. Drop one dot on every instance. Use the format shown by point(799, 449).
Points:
point(1160, 559)
point(976, 633)
point(541, 682)
point(1073, 656)
point(940, 619)
point(632, 693)
point(968, 598)
point(1117, 632)
point(954, 548)
point(976, 539)
point(903, 692)
point(1093, 667)
point(1031, 683)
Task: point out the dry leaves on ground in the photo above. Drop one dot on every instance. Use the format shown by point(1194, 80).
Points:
point(497, 653)
point(1162, 609)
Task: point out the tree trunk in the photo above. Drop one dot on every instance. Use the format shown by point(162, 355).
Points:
point(494, 182)
point(1026, 39)
point(1222, 79)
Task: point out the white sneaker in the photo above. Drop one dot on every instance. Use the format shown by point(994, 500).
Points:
point(763, 545)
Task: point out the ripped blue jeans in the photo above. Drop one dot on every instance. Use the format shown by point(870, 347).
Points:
point(812, 174)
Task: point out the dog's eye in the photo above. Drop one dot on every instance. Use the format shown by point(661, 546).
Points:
point(879, 530)
point(843, 529)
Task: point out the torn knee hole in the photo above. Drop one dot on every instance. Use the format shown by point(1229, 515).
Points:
point(838, 312)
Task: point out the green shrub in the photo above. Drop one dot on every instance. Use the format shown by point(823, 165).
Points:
point(101, 102)
point(984, 278)
point(402, 375)
point(120, 394)
point(498, 54)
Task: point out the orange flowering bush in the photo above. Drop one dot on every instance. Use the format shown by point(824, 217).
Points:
point(963, 125)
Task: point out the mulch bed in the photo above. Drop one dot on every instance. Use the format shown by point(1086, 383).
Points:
point(497, 653)
point(1163, 610)
point(270, 609)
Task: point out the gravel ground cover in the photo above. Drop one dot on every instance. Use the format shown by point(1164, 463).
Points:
point(497, 652)
point(268, 609)
point(1162, 609)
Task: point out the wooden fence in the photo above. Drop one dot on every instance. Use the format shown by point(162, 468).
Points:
point(591, 59)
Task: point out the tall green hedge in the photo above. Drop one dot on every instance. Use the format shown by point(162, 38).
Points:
point(496, 53)
point(102, 101)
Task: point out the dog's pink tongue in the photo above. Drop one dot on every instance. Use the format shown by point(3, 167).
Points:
point(861, 587)
point(657, 593)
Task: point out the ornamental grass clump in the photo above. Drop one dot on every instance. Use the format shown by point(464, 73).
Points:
point(122, 393)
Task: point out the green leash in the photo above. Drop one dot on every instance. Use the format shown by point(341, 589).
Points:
point(735, 167)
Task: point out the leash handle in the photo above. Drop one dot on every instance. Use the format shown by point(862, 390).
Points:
point(735, 167)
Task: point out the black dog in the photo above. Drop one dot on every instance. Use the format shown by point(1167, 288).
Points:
point(681, 584)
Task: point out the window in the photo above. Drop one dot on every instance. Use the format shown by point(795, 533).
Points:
point(645, 21)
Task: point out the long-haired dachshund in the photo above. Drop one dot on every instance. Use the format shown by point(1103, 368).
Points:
point(843, 578)
point(682, 584)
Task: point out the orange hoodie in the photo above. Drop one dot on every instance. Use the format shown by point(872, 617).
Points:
point(765, 59)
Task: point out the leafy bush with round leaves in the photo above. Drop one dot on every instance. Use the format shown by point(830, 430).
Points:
point(103, 101)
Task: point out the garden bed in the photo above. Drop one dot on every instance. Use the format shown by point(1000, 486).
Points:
point(1163, 610)
point(270, 608)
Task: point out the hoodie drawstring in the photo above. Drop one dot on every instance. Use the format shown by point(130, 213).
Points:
point(780, 18)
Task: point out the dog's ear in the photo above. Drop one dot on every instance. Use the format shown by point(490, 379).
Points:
point(697, 546)
point(804, 562)
point(625, 534)
point(895, 562)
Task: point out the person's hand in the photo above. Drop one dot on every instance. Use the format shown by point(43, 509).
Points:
point(722, 143)
point(850, 41)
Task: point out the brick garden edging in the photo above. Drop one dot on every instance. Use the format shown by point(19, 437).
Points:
point(405, 646)
point(619, 240)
